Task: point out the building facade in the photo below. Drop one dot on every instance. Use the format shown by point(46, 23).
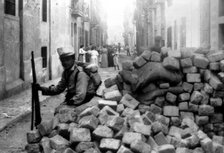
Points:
point(41, 26)
point(150, 22)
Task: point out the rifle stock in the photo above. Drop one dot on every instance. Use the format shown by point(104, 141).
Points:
point(36, 115)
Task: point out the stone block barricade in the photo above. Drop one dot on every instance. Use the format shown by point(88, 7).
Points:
point(153, 105)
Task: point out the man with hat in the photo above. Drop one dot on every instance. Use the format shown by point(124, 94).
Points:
point(73, 79)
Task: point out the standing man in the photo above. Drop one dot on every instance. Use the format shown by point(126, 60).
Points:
point(73, 79)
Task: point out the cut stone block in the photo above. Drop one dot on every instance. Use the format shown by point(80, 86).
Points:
point(45, 145)
point(115, 122)
point(146, 55)
point(214, 66)
point(187, 87)
point(193, 107)
point(110, 82)
point(184, 97)
point(123, 149)
point(102, 103)
point(141, 128)
point(156, 109)
point(109, 143)
point(208, 89)
point(183, 106)
point(216, 102)
point(89, 122)
point(33, 136)
point(215, 57)
point(94, 110)
point(192, 69)
point(129, 137)
point(103, 132)
point(129, 101)
point(201, 62)
point(221, 76)
point(140, 146)
point(109, 111)
point(83, 146)
point(171, 111)
point(193, 77)
point(187, 62)
point(113, 95)
point(58, 142)
point(159, 101)
point(120, 108)
point(171, 63)
point(45, 127)
point(171, 97)
point(206, 145)
point(80, 135)
point(205, 110)
point(215, 82)
point(189, 115)
point(160, 139)
point(155, 57)
point(201, 120)
point(198, 86)
point(167, 148)
point(196, 97)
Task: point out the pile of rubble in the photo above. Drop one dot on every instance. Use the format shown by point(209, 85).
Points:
point(155, 104)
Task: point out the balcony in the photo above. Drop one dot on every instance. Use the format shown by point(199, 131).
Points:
point(78, 10)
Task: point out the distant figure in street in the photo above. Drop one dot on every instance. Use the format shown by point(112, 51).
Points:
point(128, 50)
point(82, 54)
point(76, 81)
point(110, 56)
point(94, 56)
point(88, 55)
point(104, 59)
point(116, 61)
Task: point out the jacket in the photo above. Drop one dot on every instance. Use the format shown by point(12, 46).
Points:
point(77, 90)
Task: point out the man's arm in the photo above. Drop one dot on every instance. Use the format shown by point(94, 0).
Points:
point(81, 88)
point(55, 90)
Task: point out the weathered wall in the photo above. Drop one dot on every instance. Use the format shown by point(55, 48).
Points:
point(31, 36)
point(214, 32)
point(60, 31)
point(2, 68)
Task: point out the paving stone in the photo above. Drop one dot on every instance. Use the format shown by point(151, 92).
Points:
point(146, 120)
point(193, 107)
point(189, 115)
point(58, 142)
point(110, 89)
point(222, 65)
point(206, 97)
point(33, 136)
point(217, 148)
point(164, 120)
point(160, 139)
point(201, 120)
point(109, 143)
point(175, 121)
point(193, 77)
point(143, 108)
point(32, 148)
point(83, 146)
point(187, 122)
point(216, 102)
point(155, 57)
point(113, 95)
point(164, 85)
point(196, 97)
point(45, 145)
point(206, 145)
point(171, 97)
point(183, 150)
point(183, 106)
point(112, 104)
point(141, 128)
point(214, 66)
point(205, 110)
point(110, 82)
point(129, 137)
point(186, 62)
point(167, 148)
point(63, 130)
point(156, 109)
point(193, 141)
point(130, 112)
point(150, 115)
point(89, 122)
point(201, 62)
point(69, 150)
point(215, 57)
point(139, 62)
point(120, 108)
point(129, 101)
point(186, 133)
point(201, 135)
point(198, 150)
point(80, 135)
point(184, 97)
point(175, 131)
point(140, 146)
point(198, 86)
point(215, 82)
point(91, 150)
point(218, 139)
point(94, 110)
point(120, 134)
point(103, 132)
point(124, 149)
point(159, 101)
point(221, 76)
point(171, 63)
point(45, 127)
point(109, 111)
point(192, 69)
point(115, 122)
point(208, 89)
point(146, 55)
point(187, 87)
point(216, 118)
point(66, 115)
point(171, 111)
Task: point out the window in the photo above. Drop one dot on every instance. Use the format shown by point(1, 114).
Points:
point(10, 7)
point(44, 10)
point(44, 56)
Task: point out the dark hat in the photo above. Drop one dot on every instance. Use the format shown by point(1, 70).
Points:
point(65, 52)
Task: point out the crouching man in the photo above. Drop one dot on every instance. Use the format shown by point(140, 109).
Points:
point(73, 80)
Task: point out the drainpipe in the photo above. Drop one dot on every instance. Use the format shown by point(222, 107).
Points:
point(50, 56)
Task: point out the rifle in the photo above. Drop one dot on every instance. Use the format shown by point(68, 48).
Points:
point(36, 116)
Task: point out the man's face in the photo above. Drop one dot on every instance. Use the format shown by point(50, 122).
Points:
point(67, 62)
